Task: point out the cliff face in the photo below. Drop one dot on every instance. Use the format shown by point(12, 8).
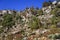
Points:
point(31, 23)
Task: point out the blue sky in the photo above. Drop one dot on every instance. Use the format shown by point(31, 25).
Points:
point(20, 4)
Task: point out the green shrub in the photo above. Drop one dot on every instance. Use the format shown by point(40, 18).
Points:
point(34, 23)
point(8, 20)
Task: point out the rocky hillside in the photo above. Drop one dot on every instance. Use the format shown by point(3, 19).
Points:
point(31, 23)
